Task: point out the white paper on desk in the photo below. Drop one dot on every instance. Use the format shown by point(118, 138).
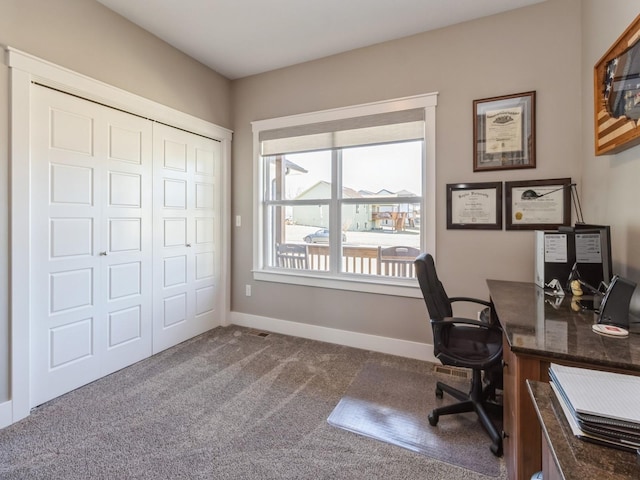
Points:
point(604, 394)
point(575, 428)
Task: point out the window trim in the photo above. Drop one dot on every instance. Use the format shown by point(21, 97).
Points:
point(378, 285)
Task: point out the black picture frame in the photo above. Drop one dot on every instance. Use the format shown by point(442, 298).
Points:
point(474, 206)
point(538, 204)
point(504, 132)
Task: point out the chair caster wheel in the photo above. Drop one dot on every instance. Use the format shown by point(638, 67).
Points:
point(439, 392)
point(433, 419)
point(496, 449)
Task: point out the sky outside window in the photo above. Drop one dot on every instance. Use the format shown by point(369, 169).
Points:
point(393, 167)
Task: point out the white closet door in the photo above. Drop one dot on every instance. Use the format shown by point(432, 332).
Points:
point(185, 200)
point(127, 267)
point(91, 245)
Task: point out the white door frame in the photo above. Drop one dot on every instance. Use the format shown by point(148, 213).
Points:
point(26, 69)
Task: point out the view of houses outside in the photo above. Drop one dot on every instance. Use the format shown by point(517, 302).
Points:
point(383, 216)
point(379, 171)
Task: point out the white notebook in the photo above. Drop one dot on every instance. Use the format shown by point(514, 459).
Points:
point(604, 394)
point(578, 432)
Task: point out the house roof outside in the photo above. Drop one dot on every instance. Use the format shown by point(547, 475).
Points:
point(351, 193)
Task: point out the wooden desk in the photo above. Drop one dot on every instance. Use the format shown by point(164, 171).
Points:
point(565, 457)
point(537, 330)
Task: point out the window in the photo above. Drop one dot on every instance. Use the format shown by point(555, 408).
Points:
point(346, 196)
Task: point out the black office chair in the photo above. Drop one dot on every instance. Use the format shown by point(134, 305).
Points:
point(467, 343)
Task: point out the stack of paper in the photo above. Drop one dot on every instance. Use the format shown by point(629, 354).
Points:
point(601, 407)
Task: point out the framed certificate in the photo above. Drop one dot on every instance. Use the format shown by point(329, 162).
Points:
point(504, 135)
point(474, 206)
point(538, 204)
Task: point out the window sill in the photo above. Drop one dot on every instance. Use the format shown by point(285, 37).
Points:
point(377, 285)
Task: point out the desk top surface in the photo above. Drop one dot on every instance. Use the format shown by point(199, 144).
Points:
point(577, 459)
point(538, 324)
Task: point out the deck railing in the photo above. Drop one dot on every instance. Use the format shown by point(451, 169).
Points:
point(386, 261)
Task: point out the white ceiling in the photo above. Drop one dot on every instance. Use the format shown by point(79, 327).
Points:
point(238, 38)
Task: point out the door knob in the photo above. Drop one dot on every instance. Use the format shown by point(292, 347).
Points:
point(103, 254)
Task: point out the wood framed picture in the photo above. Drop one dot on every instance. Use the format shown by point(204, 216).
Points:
point(475, 206)
point(504, 133)
point(538, 204)
point(616, 94)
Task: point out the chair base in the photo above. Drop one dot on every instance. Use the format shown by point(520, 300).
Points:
point(474, 401)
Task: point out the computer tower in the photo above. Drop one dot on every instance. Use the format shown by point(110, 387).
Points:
point(573, 254)
point(595, 263)
point(555, 257)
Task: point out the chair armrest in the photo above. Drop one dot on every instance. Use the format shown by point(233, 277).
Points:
point(469, 299)
point(488, 317)
point(461, 321)
point(448, 322)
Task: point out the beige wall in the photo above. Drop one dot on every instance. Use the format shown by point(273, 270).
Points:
point(86, 37)
point(535, 48)
point(550, 48)
point(610, 182)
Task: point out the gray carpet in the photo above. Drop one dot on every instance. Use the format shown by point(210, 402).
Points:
point(391, 405)
point(225, 405)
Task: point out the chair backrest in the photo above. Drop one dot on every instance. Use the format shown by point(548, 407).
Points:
point(433, 291)
point(291, 255)
point(397, 261)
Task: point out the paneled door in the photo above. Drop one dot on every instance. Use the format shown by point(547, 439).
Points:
point(91, 279)
point(186, 168)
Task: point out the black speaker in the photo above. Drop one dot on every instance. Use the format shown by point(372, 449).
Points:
point(614, 309)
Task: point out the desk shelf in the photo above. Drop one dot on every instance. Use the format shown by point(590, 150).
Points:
point(535, 334)
point(566, 457)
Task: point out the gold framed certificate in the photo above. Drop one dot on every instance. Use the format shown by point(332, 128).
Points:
point(474, 206)
point(504, 132)
point(538, 204)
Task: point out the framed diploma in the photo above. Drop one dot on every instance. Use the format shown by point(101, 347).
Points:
point(538, 204)
point(474, 206)
point(617, 94)
point(504, 133)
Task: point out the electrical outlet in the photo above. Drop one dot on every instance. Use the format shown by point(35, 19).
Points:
point(238, 221)
point(247, 290)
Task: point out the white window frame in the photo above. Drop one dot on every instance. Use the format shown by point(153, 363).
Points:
point(360, 283)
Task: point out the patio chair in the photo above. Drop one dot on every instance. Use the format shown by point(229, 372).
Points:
point(397, 261)
point(291, 255)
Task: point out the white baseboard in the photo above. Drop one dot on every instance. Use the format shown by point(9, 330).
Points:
point(391, 346)
point(6, 414)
